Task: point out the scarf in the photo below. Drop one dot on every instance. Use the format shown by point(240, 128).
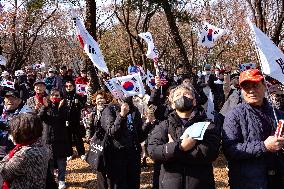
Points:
point(6, 184)
point(39, 97)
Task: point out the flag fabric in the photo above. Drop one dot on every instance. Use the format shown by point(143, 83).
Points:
point(9, 84)
point(279, 128)
point(81, 89)
point(90, 46)
point(3, 60)
point(150, 81)
point(19, 73)
point(210, 106)
point(247, 66)
point(209, 34)
point(152, 51)
point(271, 57)
point(113, 88)
point(39, 66)
point(137, 69)
point(26, 109)
point(163, 79)
point(130, 85)
point(1, 7)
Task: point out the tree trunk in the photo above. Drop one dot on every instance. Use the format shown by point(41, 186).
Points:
point(95, 83)
point(260, 20)
point(175, 33)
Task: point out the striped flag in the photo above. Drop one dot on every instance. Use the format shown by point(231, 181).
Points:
point(279, 128)
point(90, 46)
point(163, 79)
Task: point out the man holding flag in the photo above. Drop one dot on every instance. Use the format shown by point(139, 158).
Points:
point(255, 156)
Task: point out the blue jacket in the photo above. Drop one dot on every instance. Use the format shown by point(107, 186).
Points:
point(244, 132)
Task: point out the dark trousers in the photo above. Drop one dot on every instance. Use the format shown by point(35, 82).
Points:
point(61, 164)
point(124, 170)
point(156, 175)
point(102, 182)
point(79, 144)
point(50, 181)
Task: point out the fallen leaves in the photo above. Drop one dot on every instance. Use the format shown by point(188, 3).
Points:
point(80, 176)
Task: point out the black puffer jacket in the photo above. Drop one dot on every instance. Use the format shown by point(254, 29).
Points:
point(184, 170)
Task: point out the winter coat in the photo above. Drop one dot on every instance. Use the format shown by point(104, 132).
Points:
point(163, 108)
point(26, 91)
point(58, 134)
point(233, 100)
point(6, 143)
point(54, 82)
point(31, 103)
point(124, 138)
point(27, 168)
point(184, 170)
point(244, 131)
point(218, 92)
point(74, 104)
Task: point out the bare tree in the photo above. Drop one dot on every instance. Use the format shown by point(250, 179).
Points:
point(268, 16)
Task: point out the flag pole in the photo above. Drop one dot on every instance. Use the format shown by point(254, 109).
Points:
point(265, 81)
point(157, 72)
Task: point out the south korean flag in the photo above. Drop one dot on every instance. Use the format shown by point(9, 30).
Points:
point(247, 66)
point(81, 89)
point(150, 80)
point(152, 51)
point(90, 46)
point(209, 34)
point(130, 85)
point(9, 84)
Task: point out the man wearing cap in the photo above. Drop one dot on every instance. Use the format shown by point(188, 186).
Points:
point(12, 107)
point(255, 156)
point(38, 101)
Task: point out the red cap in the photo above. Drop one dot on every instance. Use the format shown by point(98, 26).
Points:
point(253, 75)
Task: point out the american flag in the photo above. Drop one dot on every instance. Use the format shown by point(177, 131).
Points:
point(279, 129)
point(164, 81)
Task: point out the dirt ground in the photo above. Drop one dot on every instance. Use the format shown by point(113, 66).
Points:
point(80, 176)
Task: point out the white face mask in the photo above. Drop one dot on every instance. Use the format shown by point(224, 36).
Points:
point(50, 74)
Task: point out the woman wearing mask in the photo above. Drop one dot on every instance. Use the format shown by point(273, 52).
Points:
point(74, 104)
point(58, 135)
point(123, 124)
point(186, 163)
point(96, 132)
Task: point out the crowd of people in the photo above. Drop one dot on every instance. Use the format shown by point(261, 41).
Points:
point(43, 117)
